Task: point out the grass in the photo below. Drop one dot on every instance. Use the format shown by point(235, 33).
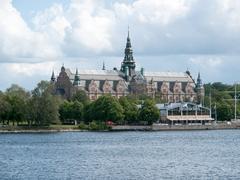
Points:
point(60, 126)
point(51, 127)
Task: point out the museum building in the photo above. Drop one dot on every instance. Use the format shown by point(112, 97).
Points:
point(169, 86)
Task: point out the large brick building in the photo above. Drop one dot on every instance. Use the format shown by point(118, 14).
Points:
point(169, 86)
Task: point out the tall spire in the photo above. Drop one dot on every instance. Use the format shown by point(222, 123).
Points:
point(199, 80)
point(128, 61)
point(128, 49)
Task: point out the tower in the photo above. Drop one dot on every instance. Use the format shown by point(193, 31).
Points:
point(128, 64)
point(53, 79)
point(200, 90)
point(76, 81)
point(63, 68)
point(103, 67)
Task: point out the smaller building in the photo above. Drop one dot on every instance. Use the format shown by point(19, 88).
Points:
point(185, 113)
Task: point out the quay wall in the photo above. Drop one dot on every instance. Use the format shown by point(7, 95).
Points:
point(214, 126)
point(165, 127)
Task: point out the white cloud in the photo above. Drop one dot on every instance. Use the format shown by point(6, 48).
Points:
point(91, 25)
point(52, 22)
point(17, 39)
point(228, 12)
point(207, 62)
point(31, 69)
point(97, 28)
point(160, 12)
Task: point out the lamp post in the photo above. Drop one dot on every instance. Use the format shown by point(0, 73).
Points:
point(235, 102)
point(210, 99)
point(215, 112)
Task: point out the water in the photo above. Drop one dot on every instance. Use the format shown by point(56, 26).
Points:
point(121, 155)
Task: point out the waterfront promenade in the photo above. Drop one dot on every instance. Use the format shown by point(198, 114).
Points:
point(154, 127)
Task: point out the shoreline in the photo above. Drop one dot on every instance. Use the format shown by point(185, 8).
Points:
point(153, 128)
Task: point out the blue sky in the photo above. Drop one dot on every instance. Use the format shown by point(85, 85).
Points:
point(36, 37)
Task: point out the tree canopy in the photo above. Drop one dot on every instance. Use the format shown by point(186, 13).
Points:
point(149, 112)
point(107, 108)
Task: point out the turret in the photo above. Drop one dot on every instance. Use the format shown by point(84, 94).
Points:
point(76, 81)
point(188, 72)
point(103, 67)
point(142, 71)
point(53, 79)
point(63, 68)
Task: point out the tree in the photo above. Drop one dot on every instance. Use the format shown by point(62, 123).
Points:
point(5, 108)
point(224, 111)
point(149, 112)
point(71, 110)
point(44, 105)
point(16, 90)
point(130, 110)
point(77, 111)
point(107, 108)
point(17, 97)
point(88, 112)
point(81, 96)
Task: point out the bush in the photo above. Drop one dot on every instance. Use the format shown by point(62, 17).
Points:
point(93, 126)
point(98, 126)
point(82, 126)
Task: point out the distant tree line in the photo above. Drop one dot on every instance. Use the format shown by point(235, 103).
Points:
point(222, 97)
point(41, 108)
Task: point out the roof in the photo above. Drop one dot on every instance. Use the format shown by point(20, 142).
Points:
point(183, 106)
point(114, 75)
point(111, 75)
point(190, 118)
point(168, 76)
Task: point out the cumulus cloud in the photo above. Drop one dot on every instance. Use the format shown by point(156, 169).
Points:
point(97, 27)
point(17, 40)
point(207, 62)
point(160, 12)
point(205, 31)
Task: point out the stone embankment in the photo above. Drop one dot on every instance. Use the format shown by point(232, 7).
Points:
point(131, 128)
point(214, 126)
point(154, 127)
point(165, 127)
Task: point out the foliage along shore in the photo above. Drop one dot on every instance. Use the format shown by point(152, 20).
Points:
point(40, 108)
point(154, 127)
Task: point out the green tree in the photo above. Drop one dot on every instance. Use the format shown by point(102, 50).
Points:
point(130, 110)
point(44, 105)
point(81, 96)
point(224, 111)
point(71, 110)
point(65, 110)
point(88, 112)
point(5, 108)
point(107, 108)
point(17, 97)
point(77, 111)
point(149, 112)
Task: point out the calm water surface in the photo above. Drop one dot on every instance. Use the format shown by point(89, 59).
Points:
point(121, 155)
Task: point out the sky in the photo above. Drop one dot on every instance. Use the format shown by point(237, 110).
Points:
point(37, 37)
